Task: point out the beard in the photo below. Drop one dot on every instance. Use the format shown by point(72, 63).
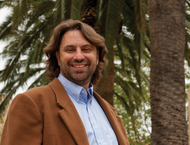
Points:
point(80, 77)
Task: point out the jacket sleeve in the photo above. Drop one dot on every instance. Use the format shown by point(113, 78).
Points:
point(24, 124)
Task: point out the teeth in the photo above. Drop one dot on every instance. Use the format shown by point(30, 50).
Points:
point(79, 66)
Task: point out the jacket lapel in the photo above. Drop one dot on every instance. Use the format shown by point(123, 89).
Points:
point(69, 114)
point(115, 121)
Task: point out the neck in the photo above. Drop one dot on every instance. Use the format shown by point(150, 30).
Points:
point(86, 87)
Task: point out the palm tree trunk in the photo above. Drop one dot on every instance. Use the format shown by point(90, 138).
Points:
point(167, 86)
point(105, 87)
point(89, 13)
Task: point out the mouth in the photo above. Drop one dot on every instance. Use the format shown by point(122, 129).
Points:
point(79, 66)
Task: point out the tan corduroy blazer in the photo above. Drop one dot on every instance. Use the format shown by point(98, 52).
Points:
point(46, 116)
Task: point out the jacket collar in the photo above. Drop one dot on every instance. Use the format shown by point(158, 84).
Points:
point(69, 114)
point(114, 119)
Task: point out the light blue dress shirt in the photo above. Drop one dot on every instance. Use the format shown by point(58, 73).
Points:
point(97, 126)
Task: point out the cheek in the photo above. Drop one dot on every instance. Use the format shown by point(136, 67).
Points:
point(64, 60)
point(93, 58)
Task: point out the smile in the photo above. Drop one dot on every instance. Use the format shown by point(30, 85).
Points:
point(78, 66)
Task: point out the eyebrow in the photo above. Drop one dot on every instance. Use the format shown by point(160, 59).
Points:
point(69, 46)
point(87, 45)
point(74, 46)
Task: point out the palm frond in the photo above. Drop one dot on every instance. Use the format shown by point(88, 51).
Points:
point(5, 28)
point(109, 22)
point(20, 14)
point(73, 9)
point(132, 97)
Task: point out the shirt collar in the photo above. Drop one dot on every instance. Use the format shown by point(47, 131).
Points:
point(74, 90)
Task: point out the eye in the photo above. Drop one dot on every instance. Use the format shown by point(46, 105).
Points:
point(69, 49)
point(87, 49)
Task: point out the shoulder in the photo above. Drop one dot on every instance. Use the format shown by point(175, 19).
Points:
point(40, 96)
point(39, 100)
point(35, 93)
point(35, 97)
point(38, 93)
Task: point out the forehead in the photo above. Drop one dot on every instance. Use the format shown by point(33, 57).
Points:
point(74, 37)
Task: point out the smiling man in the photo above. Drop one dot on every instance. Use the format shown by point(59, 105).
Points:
point(67, 111)
point(77, 58)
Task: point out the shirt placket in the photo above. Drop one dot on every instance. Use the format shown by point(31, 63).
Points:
point(97, 131)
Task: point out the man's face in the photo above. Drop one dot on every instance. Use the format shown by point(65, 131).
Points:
point(77, 58)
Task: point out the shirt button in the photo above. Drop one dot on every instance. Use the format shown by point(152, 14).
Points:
point(93, 123)
point(82, 91)
point(101, 142)
point(77, 100)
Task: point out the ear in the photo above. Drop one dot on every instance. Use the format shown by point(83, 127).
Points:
point(57, 56)
point(97, 57)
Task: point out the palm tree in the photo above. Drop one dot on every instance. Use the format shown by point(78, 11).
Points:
point(167, 86)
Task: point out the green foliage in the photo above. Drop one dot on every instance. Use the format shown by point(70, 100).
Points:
point(138, 126)
point(132, 102)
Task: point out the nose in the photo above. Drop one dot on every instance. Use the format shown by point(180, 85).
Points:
point(78, 55)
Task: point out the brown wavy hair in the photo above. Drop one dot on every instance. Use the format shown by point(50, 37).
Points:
point(55, 41)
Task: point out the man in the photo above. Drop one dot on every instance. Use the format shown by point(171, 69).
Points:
point(67, 111)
